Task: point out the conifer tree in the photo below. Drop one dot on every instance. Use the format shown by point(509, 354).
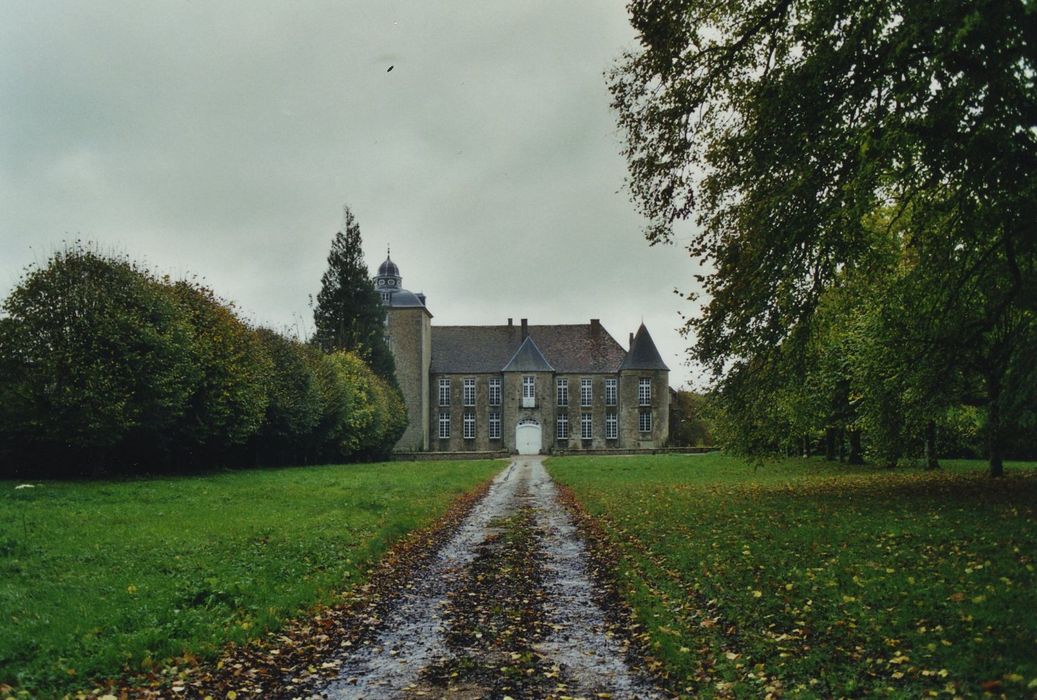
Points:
point(349, 314)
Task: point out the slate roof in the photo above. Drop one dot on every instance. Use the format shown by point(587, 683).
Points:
point(402, 298)
point(643, 354)
point(528, 358)
point(566, 348)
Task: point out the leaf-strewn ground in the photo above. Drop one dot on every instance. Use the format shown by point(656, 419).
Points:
point(812, 579)
point(101, 577)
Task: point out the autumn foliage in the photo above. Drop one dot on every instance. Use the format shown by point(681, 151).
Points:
point(799, 578)
point(106, 367)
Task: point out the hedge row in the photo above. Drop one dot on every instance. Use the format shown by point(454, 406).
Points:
point(106, 367)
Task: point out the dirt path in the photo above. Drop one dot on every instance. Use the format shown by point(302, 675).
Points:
point(506, 609)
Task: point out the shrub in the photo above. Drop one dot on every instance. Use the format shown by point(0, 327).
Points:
point(362, 415)
point(94, 355)
point(293, 400)
point(102, 365)
point(229, 402)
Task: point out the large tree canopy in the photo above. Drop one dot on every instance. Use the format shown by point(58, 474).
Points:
point(783, 127)
point(349, 314)
point(93, 353)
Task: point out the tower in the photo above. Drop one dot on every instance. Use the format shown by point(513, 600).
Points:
point(388, 279)
point(409, 333)
point(644, 394)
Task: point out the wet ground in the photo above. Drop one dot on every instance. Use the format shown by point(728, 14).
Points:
point(506, 608)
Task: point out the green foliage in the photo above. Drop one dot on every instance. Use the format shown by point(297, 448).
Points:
point(94, 354)
point(360, 415)
point(369, 418)
point(394, 410)
point(229, 403)
point(819, 144)
point(335, 398)
point(103, 366)
point(688, 426)
point(293, 397)
point(105, 576)
point(805, 580)
point(349, 314)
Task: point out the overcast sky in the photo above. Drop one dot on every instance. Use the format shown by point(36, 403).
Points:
point(223, 139)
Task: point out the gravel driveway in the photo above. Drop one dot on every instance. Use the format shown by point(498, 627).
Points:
point(506, 609)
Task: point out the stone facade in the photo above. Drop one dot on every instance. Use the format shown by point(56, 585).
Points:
point(467, 388)
point(408, 331)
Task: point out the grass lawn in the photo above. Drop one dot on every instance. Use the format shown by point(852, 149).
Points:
point(813, 579)
point(97, 576)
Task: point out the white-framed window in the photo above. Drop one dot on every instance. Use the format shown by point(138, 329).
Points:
point(495, 425)
point(586, 392)
point(469, 425)
point(611, 425)
point(644, 420)
point(644, 392)
point(562, 426)
point(444, 424)
point(495, 392)
point(586, 432)
point(444, 391)
point(562, 389)
point(528, 388)
point(468, 391)
point(610, 392)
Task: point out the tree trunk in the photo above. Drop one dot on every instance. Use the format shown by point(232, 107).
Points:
point(856, 457)
point(841, 439)
point(994, 450)
point(806, 447)
point(830, 444)
point(931, 462)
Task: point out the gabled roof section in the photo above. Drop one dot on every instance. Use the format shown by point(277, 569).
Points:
point(528, 358)
point(643, 354)
point(485, 349)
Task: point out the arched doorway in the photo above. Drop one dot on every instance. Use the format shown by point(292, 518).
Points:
point(527, 437)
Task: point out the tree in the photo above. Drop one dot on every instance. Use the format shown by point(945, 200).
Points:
point(362, 415)
point(94, 355)
point(782, 126)
point(228, 404)
point(293, 400)
point(687, 426)
point(349, 314)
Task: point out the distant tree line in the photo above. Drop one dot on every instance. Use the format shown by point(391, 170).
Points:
point(689, 424)
point(863, 177)
point(105, 367)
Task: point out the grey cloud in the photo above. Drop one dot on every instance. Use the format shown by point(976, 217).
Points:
point(223, 139)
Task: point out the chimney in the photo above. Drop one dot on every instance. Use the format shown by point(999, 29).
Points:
point(631, 343)
point(525, 328)
point(510, 324)
point(595, 327)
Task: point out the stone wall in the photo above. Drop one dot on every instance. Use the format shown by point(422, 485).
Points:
point(543, 411)
point(597, 409)
point(546, 410)
point(630, 435)
point(456, 442)
point(410, 340)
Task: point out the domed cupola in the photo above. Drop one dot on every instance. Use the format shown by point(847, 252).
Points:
point(388, 279)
